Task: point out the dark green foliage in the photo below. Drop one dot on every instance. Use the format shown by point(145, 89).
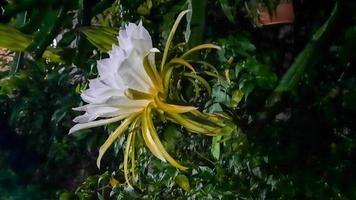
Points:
point(299, 147)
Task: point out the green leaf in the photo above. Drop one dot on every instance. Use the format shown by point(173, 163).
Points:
point(101, 37)
point(50, 27)
point(145, 8)
point(171, 136)
point(220, 93)
point(229, 11)
point(215, 147)
point(236, 97)
point(13, 39)
point(100, 197)
point(183, 182)
point(53, 55)
point(66, 196)
point(10, 84)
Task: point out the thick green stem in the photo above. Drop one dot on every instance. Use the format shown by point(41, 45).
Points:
point(305, 59)
point(198, 22)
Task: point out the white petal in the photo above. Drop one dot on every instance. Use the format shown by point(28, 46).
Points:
point(97, 123)
point(135, 37)
point(104, 67)
point(108, 69)
point(115, 51)
point(154, 50)
point(99, 92)
point(124, 102)
point(95, 111)
point(114, 107)
point(99, 96)
point(133, 74)
point(84, 118)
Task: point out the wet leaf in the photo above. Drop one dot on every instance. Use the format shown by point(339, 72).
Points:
point(13, 39)
point(183, 182)
point(215, 147)
point(101, 37)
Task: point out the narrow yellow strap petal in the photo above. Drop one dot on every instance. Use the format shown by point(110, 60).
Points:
point(199, 47)
point(170, 37)
point(201, 80)
point(147, 137)
point(183, 62)
point(166, 79)
point(215, 75)
point(208, 65)
point(170, 108)
point(161, 148)
point(152, 72)
point(135, 125)
point(196, 89)
point(126, 158)
point(193, 126)
point(133, 161)
point(113, 136)
point(206, 116)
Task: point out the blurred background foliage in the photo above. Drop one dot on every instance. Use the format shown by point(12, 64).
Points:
point(290, 89)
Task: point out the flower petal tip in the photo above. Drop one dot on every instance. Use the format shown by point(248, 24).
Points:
point(98, 162)
point(154, 50)
point(72, 130)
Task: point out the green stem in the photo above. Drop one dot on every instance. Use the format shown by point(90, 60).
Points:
point(305, 59)
point(198, 22)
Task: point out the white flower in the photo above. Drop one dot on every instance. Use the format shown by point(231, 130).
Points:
point(124, 69)
point(130, 88)
point(124, 90)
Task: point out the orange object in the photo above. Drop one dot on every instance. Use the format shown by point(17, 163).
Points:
point(283, 14)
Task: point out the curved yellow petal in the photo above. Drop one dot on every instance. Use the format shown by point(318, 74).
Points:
point(201, 80)
point(183, 62)
point(133, 155)
point(170, 108)
point(199, 47)
point(170, 37)
point(161, 148)
point(113, 136)
point(194, 126)
point(147, 137)
point(196, 89)
point(166, 79)
point(126, 158)
point(152, 72)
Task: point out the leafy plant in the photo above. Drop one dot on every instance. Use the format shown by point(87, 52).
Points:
point(301, 145)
